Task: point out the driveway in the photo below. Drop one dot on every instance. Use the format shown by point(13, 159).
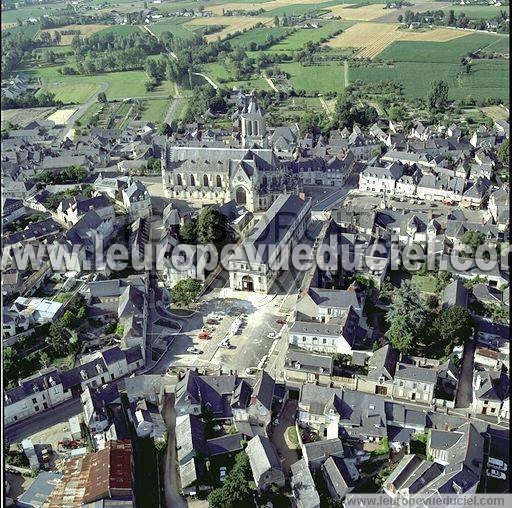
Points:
point(287, 455)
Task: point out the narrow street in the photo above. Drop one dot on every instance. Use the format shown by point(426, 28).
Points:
point(287, 455)
point(173, 499)
point(465, 391)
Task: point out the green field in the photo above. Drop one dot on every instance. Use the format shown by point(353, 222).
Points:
point(317, 78)
point(299, 9)
point(476, 11)
point(173, 26)
point(488, 78)
point(78, 89)
point(258, 35)
point(12, 16)
point(155, 109)
point(302, 35)
point(122, 30)
point(442, 52)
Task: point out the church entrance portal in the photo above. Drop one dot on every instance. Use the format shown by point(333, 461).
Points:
point(241, 196)
point(247, 283)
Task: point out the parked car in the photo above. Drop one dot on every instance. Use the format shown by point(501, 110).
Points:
point(226, 344)
point(204, 336)
point(223, 471)
point(193, 350)
point(494, 473)
point(272, 335)
point(250, 371)
point(281, 321)
point(212, 321)
point(496, 464)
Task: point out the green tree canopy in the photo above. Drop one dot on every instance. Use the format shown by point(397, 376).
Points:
point(185, 291)
point(452, 327)
point(437, 97)
point(211, 226)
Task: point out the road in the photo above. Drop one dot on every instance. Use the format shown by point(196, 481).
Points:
point(173, 499)
point(215, 86)
point(287, 455)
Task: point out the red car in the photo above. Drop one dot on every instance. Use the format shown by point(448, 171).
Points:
point(203, 335)
point(281, 321)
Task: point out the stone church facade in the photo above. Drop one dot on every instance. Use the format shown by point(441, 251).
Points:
point(252, 175)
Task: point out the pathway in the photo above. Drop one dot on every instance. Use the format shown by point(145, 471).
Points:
point(173, 109)
point(215, 86)
point(345, 72)
point(270, 82)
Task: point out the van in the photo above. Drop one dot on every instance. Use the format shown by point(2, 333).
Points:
point(496, 463)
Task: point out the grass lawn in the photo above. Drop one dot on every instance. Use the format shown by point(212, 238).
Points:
point(155, 109)
point(317, 78)
point(93, 110)
point(426, 283)
point(291, 435)
point(220, 75)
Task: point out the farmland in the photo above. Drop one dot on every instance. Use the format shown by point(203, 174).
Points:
point(316, 78)
point(175, 27)
point(259, 35)
point(476, 11)
point(231, 24)
point(85, 31)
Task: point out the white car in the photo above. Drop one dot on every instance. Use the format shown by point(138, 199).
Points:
point(494, 473)
point(226, 344)
point(496, 464)
point(272, 335)
point(193, 350)
point(223, 471)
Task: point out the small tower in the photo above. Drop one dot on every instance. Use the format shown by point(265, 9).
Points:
point(254, 132)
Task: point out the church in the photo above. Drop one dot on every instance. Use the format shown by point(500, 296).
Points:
point(251, 174)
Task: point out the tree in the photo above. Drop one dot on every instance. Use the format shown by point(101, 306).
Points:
point(44, 359)
point(102, 97)
point(211, 226)
point(443, 278)
point(185, 291)
point(401, 334)
point(188, 233)
point(452, 327)
point(503, 153)
point(68, 319)
point(408, 318)
point(276, 21)
point(58, 339)
point(437, 97)
point(473, 239)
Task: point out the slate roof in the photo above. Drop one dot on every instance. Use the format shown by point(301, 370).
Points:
point(455, 293)
point(383, 363)
point(303, 486)
point(413, 373)
point(320, 450)
point(190, 437)
point(339, 475)
point(309, 362)
point(271, 229)
point(262, 456)
point(225, 444)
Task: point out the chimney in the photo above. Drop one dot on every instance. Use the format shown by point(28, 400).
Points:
point(478, 382)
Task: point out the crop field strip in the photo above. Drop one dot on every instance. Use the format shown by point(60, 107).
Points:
point(85, 31)
point(373, 38)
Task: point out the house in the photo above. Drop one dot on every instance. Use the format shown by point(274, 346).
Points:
point(37, 310)
point(414, 475)
point(381, 371)
point(95, 402)
point(265, 464)
point(190, 438)
point(137, 201)
point(381, 180)
point(490, 389)
point(340, 477)
point(103, 478)
point(303, 486)
point(257, 262)
point(39, 490)
point(305, 367)
point(72, 209)
point(317, 452)
point(455, 294)
point(414, 383)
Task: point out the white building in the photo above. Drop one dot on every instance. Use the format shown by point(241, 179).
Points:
point(257, 262)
